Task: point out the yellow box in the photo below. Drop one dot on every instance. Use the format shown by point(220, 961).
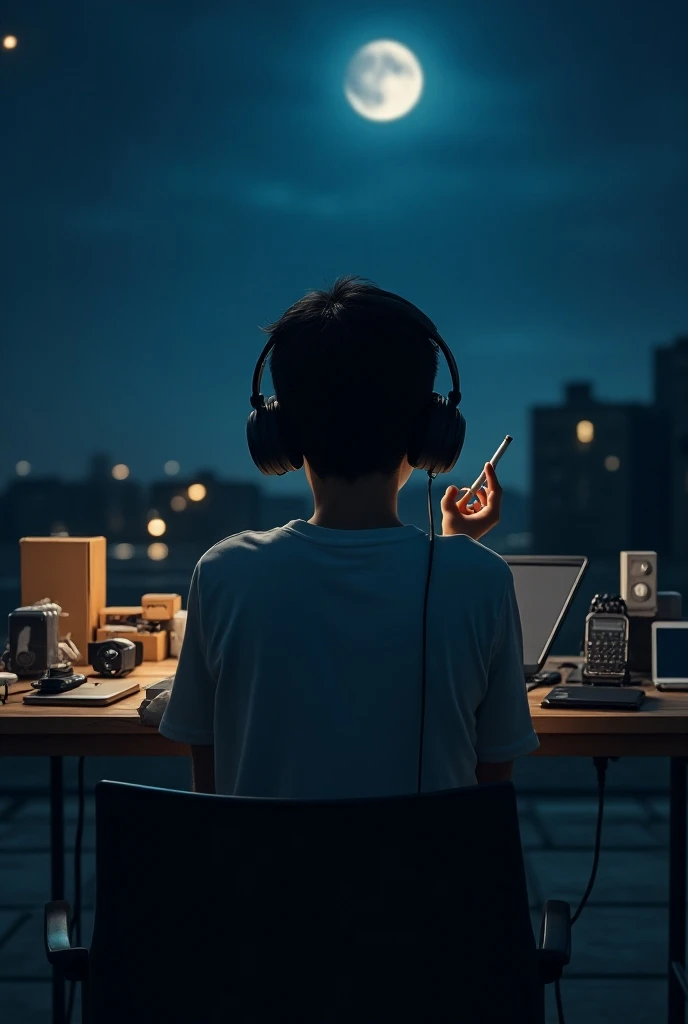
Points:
point(160, 607)
point(71, 572)
point(117, 614)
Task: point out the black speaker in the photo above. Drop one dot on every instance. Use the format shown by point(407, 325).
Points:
point(34, 635)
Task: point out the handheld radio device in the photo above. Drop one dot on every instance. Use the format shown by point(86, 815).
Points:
point(606, 641)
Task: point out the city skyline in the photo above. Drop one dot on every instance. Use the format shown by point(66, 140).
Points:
point(295, 486)
point(179, 174)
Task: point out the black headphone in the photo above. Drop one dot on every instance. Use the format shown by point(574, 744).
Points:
point(434, 446)
point(436, 441)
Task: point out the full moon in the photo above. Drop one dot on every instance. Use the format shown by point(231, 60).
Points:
point(383, 81)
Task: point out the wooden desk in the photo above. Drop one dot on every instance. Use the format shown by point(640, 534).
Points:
point(659, 730)
point(113, 731)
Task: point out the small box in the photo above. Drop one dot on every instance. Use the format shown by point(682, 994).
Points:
point(177, 633)
point(155, 689)
point(155, 645)
point(118, 615)
point(160, 607)
point(71, 572)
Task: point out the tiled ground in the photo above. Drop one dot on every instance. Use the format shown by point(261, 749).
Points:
point(617, 972)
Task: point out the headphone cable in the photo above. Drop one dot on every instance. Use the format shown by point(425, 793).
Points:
point(601, 764)
point(431, 518)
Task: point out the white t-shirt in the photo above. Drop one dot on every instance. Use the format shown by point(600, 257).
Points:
point(301, 663)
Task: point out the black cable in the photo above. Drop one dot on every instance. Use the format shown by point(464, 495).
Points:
point(431, 477)
point(75, 927)
point(601, 764)
point(560, 1005)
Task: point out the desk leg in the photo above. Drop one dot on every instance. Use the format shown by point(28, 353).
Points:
point(677, 891)
point(57, 869)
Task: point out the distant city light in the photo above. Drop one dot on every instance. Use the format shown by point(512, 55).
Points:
point(10, 42)
point(197, 492)
point(120, 471)
point(585, 431)
point(178, 503)
point(612, 463)
point(156, 527)
point(157, 552)
point(172, 467)
point(123, 551)
point(23, 468)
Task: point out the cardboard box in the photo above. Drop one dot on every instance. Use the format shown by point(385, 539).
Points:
point(118, 613)
point(160, 607)
point(155, 645)
point(71, 572)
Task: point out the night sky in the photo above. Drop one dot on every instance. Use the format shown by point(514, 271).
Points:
point(177, 173)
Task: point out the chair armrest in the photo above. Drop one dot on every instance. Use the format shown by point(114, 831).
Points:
point(554, 950)
point(70, 961)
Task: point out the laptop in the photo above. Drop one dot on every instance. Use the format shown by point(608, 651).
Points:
point(545, 587)
point(94, 693)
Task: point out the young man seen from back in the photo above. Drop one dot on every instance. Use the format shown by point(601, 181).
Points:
point(300, 672)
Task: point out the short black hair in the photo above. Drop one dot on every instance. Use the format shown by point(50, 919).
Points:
point(351, 378)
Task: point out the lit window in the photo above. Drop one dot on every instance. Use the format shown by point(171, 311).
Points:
point(585, 431)
point(23, 468)
point(178, 503)
point(197, 492)
point(157, 552)
point(612, 463)
point(156, 527)
point(123, 551)
point(120, 471)
point(172, 467)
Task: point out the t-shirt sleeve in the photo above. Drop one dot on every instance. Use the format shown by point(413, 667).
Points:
point(504, 727)
point(189, 714)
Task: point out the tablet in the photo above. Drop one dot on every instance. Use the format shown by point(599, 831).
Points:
point(670, 655)
point(594, 698)
point(94, 693)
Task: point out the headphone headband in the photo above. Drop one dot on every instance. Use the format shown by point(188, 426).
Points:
point(382, 300)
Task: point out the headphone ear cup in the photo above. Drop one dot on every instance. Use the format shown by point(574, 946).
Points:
point(438, 436)
point(268, 441)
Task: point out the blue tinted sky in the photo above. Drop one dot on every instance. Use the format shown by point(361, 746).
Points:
point(177, 173)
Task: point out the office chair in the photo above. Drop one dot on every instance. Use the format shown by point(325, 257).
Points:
point(217, 909)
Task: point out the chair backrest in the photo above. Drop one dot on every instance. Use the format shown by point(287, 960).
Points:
point(227, 909)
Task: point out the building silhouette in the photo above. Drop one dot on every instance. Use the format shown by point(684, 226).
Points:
point(204, 509)
point(595, 467)
point(671, 396)
point(280, 509)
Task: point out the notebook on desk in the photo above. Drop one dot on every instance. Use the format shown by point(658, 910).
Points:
point(94, 693)
point(545, 587)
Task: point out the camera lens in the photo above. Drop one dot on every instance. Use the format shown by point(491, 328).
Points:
point(109, 660)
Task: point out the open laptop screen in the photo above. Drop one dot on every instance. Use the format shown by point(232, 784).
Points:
point(545, 587)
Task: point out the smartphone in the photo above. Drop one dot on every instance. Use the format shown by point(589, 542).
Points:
point(493, 462)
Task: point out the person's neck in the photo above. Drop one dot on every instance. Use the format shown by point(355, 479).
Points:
point(369, 503)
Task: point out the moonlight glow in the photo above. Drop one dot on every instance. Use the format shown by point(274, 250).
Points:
point(384, 81)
